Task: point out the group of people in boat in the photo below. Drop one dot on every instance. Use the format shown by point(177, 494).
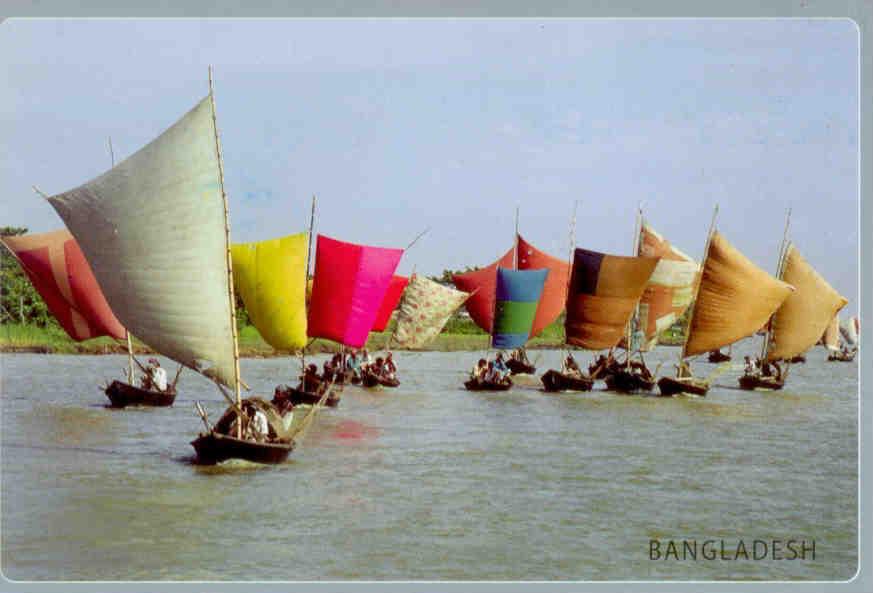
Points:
point(756, 366)
point(494, 372)
point(351, 367)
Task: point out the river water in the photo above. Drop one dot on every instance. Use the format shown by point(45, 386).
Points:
point(428, 481)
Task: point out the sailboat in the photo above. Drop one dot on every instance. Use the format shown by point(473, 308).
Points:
point(799, 321)
point(389, 303)
point(733, 298)
point(481, 285)
point(349, 285)
point(61, 275)
point(516, 297)
point(848, 330)
point(155, 228)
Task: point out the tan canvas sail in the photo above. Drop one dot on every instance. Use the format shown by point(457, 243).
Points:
point(670, 289)
point(734, 299)
point(153, 229)
point(831, 337)
point(424, 310)
point(800, 321)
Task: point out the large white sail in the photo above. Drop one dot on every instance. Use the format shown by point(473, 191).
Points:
point(153, 230)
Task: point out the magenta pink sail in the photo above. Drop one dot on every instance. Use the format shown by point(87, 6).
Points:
point(349, 286)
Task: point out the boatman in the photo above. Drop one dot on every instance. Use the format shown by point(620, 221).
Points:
point(500, 365)
point(157, 376)
point(389, 369)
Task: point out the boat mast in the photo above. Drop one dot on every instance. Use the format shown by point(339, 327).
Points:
point(306, 286)
point(697, 287)
point(570, 273)
point(630, 324)
point(126, 333)
point(515, 242)
point(230, 293)
point(783, 247)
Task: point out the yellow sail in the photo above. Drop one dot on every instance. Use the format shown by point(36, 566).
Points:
point(734, 300)
point(806, 313)
point(270, 277)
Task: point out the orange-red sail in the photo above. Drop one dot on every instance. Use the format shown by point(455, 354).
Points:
point(484, 282)
point(61, 275)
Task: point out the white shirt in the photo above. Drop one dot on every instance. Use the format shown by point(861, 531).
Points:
point(159, 378)
point(259, 425)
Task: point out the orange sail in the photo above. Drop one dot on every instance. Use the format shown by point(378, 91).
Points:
point(669, 290)
point(61, 274)
point(734, 299)
point(484, 282)
point(806, 313)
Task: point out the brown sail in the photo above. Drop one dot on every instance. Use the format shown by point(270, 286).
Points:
point(734, 299)
point(806, 313)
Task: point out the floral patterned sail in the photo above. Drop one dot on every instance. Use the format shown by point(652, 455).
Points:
point(424, 310)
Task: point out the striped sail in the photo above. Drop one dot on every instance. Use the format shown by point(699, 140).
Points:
point(390, 302)
point(270, 277)
point(482, 283)
point(798, 324)
point(59, 272)
point(154, 230)
point(349, 286)
point(603, 292)
point(670, 289)
point(517, 296)
point(424, 310)
point(734, 300)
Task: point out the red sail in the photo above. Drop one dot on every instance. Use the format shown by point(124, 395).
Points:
point(484, 281)
point(390, 302)
point(61, 274)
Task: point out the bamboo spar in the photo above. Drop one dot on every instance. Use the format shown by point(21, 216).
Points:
point(765, 345)
point(697, 287)
point(130, 372)
point(570, 272)
point(629, 328)
point(230, 292)
point(306, 284)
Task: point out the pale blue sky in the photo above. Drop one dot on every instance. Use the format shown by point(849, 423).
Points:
point(401, 124)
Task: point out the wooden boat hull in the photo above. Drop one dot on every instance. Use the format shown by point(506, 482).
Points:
point(840, 357)
point(371, 380)
point(473, 385)
point(516, 367)
point(718, 356)
point(800, 358)
point(672, 386)
point(307, 397)
point(750, 382)
point(214, 448)
point(625, 382)
point(554, 381)
point(123, 394)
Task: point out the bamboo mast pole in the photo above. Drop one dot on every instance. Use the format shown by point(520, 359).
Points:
point(230, 293)
point(130, 372)
point(630, 324)
point(569, 275)
point(697, 287)
point(515, 242)
point(306, 287)
point(765, 345)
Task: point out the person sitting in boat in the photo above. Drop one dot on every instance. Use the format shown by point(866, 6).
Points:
point(389, 369)
point(353, 364)
point(683, 370)
point(366, 361)
point(492, 375)
point(259, 430)
point(641, 369)
point(479, 370)
point(570, 366)
point(500, 365)
point(750, 368)
point(310, 380)
point(156, 377)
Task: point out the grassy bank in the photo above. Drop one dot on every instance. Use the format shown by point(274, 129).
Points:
point(463, 337)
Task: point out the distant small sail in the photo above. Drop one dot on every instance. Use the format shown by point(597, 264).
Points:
point(481, 283)
point(734, 300)
point(603, 292)
point(390, 302)
point(153, 229)
point(518, 295)
point(59, 272)
point(270, 277)
point(831, 336)
point(349, 286)
point(670, 290)
point(799, 322)
point(424, 310)
point(849, 332)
